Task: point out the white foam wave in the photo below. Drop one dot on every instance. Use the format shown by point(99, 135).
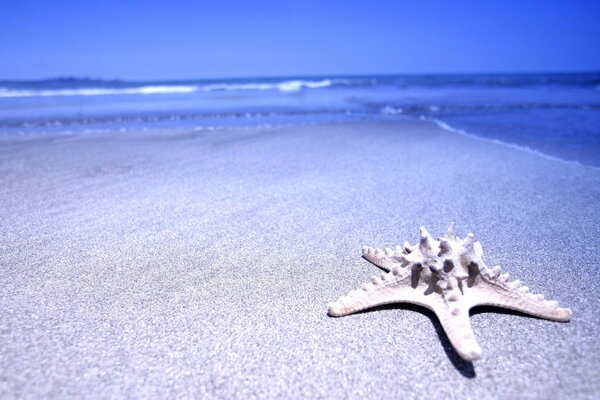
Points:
point(449, 128)
point(98, 91)
point(284, 86)
point(388, 110)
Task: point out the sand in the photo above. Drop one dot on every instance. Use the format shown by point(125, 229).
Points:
point(199, 264)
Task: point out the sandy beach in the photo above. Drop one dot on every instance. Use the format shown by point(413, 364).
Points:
point(199, 264)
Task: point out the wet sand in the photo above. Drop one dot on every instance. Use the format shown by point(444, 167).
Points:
point(200, 264)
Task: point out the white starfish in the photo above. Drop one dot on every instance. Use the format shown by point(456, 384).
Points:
point(449, 277)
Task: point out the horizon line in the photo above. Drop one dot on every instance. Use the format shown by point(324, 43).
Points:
point(282, 76)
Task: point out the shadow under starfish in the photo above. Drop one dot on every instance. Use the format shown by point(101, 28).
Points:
point(449, 277)
point(465, 368)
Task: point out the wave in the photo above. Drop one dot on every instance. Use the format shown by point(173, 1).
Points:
point(283, 86)
point(182, 116)
point(97, 91)
point(443, 125)
point(388, 110)
point(95, 87)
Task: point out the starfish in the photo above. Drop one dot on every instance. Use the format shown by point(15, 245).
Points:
point(449, 277)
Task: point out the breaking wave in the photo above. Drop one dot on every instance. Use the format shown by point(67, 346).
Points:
point(283, 86)
point(97, 91)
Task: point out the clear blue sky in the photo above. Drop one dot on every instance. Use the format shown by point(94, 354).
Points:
point(200, 39)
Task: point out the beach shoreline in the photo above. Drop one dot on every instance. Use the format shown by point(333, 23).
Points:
point(200, 263)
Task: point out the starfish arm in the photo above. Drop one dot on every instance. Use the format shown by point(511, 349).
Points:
point(392, 287)
point(385, 259)
point(454, 317)
point(496, 291)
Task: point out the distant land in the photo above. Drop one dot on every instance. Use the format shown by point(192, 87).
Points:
point(73, 79)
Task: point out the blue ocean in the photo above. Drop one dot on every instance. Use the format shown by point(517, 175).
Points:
point(555, 115)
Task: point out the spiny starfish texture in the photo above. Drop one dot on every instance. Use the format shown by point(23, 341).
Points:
point(449, 277)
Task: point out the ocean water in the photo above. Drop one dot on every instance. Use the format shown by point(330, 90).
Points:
point(555, 115)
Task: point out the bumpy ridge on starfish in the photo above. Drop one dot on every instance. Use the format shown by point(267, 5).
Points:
point(449, 277)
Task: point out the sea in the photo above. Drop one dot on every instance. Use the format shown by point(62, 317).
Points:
point(553, 115)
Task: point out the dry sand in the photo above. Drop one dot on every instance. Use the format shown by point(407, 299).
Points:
point(199, 265)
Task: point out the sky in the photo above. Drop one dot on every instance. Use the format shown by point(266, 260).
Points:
point(176, 39)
